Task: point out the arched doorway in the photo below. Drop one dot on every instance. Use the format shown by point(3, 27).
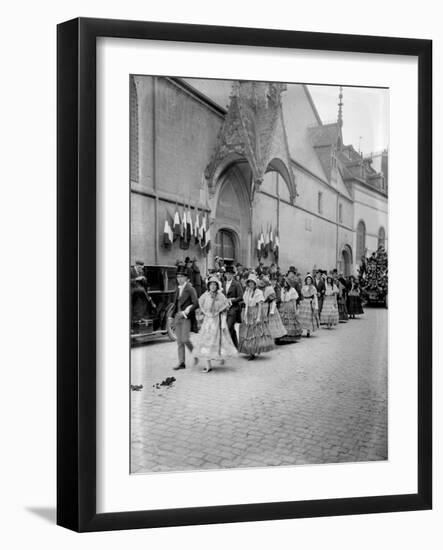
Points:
point(226, 245)
point(232, 221)
point(346, 260)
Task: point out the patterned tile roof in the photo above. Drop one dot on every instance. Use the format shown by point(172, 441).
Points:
point(325, 135)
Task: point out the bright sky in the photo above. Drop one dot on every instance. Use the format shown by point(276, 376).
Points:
point(365, 110)
point(365, 114)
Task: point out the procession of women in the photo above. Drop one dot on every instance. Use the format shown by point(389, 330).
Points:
point(249, 312)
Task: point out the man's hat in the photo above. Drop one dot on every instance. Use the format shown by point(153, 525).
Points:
point(292, 268)
point(230, 269)
point(187, 259)
point(182, 270)
point(139, 262)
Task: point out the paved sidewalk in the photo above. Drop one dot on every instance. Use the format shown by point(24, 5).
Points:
point(321, 400)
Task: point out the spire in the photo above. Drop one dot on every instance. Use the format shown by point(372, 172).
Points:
point(340, 105)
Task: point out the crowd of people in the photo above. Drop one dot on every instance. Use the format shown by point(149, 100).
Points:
point(269, 307)
point(373, 273)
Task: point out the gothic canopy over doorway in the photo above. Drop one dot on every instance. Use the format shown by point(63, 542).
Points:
point(253, 130)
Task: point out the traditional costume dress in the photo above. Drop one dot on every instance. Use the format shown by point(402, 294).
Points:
point(308, 310)
point(329, 312)
point(289, 316)
point(254, 333)
point(354, 307)
point(341, 302)
point(276, 326)
point(214, 340)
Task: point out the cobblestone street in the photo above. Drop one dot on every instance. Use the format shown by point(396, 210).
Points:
point(321, 400)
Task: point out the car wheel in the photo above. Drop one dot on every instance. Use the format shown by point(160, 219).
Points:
point(170, 324)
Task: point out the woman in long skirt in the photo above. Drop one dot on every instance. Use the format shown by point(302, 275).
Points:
point(276, 327)
point(354, 300)
point(214, 341)
point(254, 334)
point(288, 313)
point(308, 309)
point(329, 312)
point(341, 300)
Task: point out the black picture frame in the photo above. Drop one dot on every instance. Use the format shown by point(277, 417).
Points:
point(76, 265)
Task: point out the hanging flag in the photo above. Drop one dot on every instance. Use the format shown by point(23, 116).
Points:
point(167, 235)
point(276, 248)
point(208, 240)
point(197, 228)
point(177, 225)
point(184, 242)
point(259, 247)
point(203, 232)
point(262, 243)
point(188, 225)
point(271, 239)
point(183, 217)
point(266, 243)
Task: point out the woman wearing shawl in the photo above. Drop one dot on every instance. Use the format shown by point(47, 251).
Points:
point(275, 324)
point(288, 312)
point(214, 340)
point(308, 311)
point(329, 312)
point(255, 337)
point(354, 300)
point(342, 299)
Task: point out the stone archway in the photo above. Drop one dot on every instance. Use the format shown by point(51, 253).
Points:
point(253, 131)
point(232, 212)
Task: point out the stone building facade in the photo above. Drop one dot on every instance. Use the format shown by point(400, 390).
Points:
point(250, 156)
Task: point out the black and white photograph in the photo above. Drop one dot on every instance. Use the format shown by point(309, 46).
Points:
point(259, 274)
point(231, 227)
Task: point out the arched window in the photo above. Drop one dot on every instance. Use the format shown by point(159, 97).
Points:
point(225, 245)
point(381, 237)
point(361, 240)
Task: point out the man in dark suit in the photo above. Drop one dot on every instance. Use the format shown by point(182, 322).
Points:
point(319, 284)
point(185, 304)
point(234, 293)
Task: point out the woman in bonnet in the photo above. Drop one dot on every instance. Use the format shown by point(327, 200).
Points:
point(308, 311)
point(276, 327)
point(255, 336)
point(288, 312)
point(329, 312)
point(214, 341)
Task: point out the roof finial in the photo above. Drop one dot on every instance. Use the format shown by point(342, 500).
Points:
point(340, 105)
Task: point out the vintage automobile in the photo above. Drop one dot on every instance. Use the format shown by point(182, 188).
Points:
point(374, 296)
point(151, 306)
